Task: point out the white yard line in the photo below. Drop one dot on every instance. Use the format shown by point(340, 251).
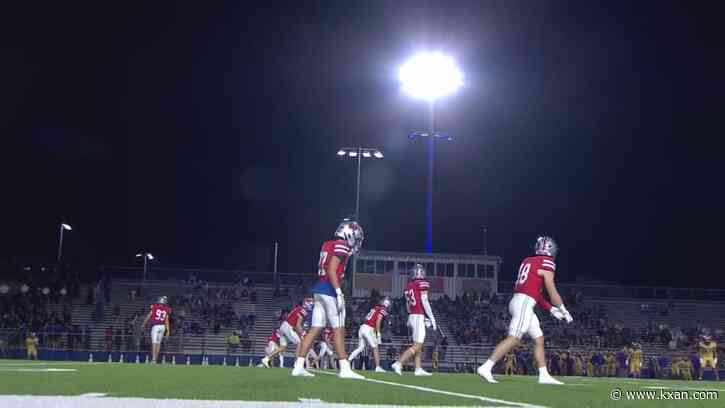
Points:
point(449, 393)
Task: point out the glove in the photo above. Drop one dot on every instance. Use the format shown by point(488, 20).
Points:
point(557, 313)
point(567, 315)
point(340, 301)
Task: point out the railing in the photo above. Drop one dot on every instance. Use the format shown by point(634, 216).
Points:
point(632, 292)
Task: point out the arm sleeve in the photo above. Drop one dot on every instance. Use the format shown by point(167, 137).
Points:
point(426, 306)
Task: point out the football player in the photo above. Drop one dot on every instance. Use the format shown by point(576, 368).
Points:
point(327, 354)
point(534, 274)
point(276, 344)
point(707, 351)
point(369, 332)
point(419, 310)
point(159, 318)
point(292, 329)
point(329, 306)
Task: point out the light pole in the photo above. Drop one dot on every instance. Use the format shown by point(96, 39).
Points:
point(63, 227)
point(485, 241)
point(359, 153)
point(146, 258)
point(430, 76)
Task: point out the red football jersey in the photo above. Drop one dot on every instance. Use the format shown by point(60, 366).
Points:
point(375, 315)
point(528, 280)
point(329, 335)
point(274, 337)
point(159, 313)
point(295, 315)
point(412, 295)
point(338, 248)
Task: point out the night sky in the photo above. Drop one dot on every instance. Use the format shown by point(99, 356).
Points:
point(198, 129)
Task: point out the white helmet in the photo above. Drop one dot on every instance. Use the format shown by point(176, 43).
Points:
point(352, 233)
point(417, 272)
point(385, 302)
point(546, 246)
point(163, 300)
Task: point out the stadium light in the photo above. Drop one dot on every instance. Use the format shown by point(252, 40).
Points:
point(146, 258)
point(359, 153)
point(430, 76)
point(63, 227)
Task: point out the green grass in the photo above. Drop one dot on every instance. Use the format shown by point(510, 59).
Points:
point(256, 384)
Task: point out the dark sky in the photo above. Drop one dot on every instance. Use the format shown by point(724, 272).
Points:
point(194, 129)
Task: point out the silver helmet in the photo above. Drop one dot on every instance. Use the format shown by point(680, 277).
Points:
point(352, 233)
point(385, 302)
point(417, 271)
point(163, 300)
point(546, 246)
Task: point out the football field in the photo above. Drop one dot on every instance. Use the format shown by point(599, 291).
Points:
point(75, 384)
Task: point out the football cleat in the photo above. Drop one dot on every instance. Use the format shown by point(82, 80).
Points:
point(419, 372)
point(301, 372)
point(379, 369)
point(417, 272)
point(352, 233)
point(546, 246)
point(348, 373)
point(486, 374)
point(547, 379)
point(397, 368)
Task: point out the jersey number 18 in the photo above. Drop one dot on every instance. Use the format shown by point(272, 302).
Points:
point(523, 274)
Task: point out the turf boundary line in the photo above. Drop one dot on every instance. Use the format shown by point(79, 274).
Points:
point(443, 392)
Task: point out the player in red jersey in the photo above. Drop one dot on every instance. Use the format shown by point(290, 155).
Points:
point(369, 333)
point(291, 329)
point(327, 345)
point(276, 344)
point(159, 318)
point(535, 273)
point(329, 308)
point(416, 297)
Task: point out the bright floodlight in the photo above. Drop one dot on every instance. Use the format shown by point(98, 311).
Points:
point(352, 154)
point(378, 155)
point(139, 255)
point(151, 257)
point(341, 152)
point(66, 227)
point(430, 75)
point(366, 155)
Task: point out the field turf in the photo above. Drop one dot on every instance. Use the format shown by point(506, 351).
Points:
point(103, 384)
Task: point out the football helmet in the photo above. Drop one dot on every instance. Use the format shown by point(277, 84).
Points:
point(546, 246)
point(385, 302)
point(163, 300)
point(308, 303)
point(417, 271)
point(352, 233)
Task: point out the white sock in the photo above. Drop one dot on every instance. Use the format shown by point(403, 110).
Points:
point(488, 365)
point(543, 372)
point(300, 362)
point(344, 364)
